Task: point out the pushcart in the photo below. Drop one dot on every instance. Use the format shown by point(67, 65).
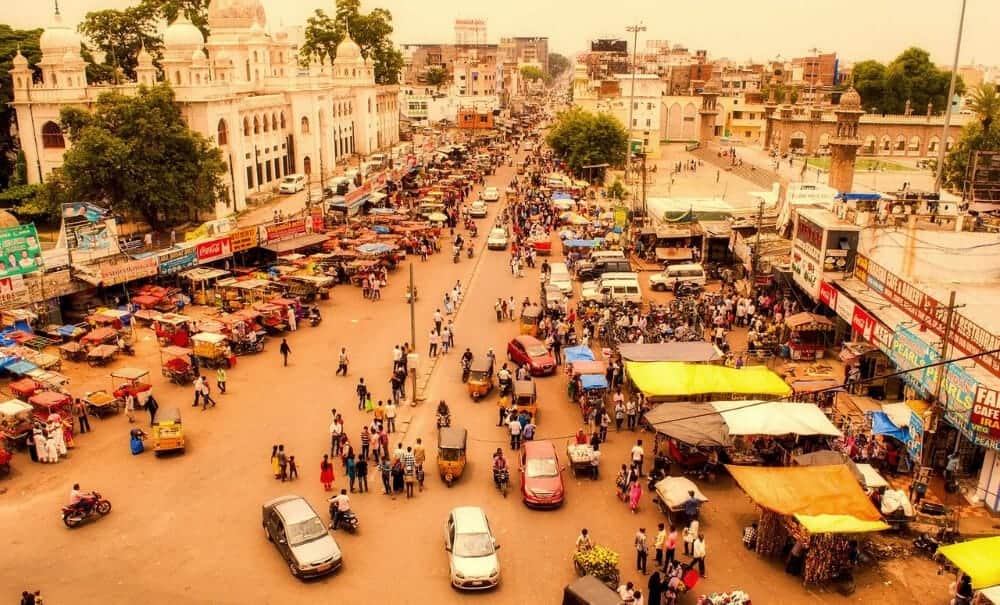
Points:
point(672, 493)
point(581, 458)
point(101, 355)
point(175, 364)
point(102, 403)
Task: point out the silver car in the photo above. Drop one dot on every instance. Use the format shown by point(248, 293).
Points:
point(472, 549)
point(301, 537)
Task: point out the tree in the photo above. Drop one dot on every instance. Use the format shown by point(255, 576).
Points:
point(616, 190)
point(583, 139)
point(195, 10)
point(10, 40)
point(370, 31)
point(136, 155)
point(985, 103)
point(435, 76)
point(972, 139)
point(558, 64)
point(120, 34)
point(532, 73)
point(869, 81)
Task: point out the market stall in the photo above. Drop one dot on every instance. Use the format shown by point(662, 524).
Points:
point(174, 329)
point(980, 559)
point(810, 335)
point(688, 352)
point(669, 381)
point(203, 280)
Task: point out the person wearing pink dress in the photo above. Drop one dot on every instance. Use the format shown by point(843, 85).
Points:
point(326, 472)
point(634, 494)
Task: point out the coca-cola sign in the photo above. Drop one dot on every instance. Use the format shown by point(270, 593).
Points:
point(215, 249)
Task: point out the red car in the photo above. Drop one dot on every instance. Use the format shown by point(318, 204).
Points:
point(529, 351)
point(541, 475)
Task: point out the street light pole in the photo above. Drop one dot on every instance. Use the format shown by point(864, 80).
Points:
point(413, 335)
point(634, 29)
point(951, 94)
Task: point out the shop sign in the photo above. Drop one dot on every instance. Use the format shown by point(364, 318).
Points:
point(13, 291)
point(278, 232)
point(915, 446)
point(316, 220)
point(805, 269)
point(909, 352)
point(828, 294)
point(985, 416)
point(120, 273)
point(20, 252)
point(243, 239)
point(871, 329)
point(214, 250)
point(809, 236)
point(177, 260)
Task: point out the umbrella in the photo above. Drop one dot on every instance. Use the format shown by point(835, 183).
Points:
point(374, 248)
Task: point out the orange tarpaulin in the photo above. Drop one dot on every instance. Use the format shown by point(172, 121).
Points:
point(806, 490)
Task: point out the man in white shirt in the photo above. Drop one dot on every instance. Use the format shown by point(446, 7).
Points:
point(341, 504)
point(515, 433)
point(698, 554)
point(390, 416)
point(336, 430)
point(638, 454)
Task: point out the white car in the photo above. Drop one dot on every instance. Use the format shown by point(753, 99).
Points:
point(497, 239)
point(293, 183)
point(491, 194)
point(478, 209)
point(472, 549)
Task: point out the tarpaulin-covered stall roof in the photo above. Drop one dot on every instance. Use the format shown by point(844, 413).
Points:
point(824, 499)
point(591, 382)
point(580, 353)
point(715, 423)
point(883, 425)
point(668, 379)
point(978, 558)
point(692, 352)
point(588, 367)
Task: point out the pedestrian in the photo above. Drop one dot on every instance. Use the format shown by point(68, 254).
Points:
point(502, 402)
point(275, 466)
point(432, 341)
point(361, 472)
point(619, 415)
point(366, 441)
point(631, 413)
point(396, 470)
point(670, 549)
point(641, 550)
point(634, 496)
point(390, 416)
point(438, 320)
point(637, 455)
point(659, 543)
point(220, 380)
point(130, 407)
point(445, 340)
point(690, 533)
point(206, 395)
point(698, 553)
point(326, 473)
point(604, 424)
point(342, 363)
point(409, 471)
point(285, 350)
point(293, 469)
point(151, 407)
point(362, 391)
point(282, 463)
point(350, 467)
point(386, 471)
point(514, 426)
point(419, 456)
point(83, 421)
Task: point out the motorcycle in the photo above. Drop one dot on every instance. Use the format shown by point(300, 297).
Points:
point(92, 506)
point(245, 347)
point(443, 420)
point(127, 348)
point(502, 480)
point(455, 254)
point(314, 317)
point(468, 251)
point(929, 544)
point(466, 370)
point(346, 520)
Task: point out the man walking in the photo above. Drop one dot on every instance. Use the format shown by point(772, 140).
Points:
point(282, 463)
point(658, 544)
point(515, 432)
point(390, 416)
point(285, 350)
point(641, 550)
point(637, 455)
point(698, 555)
point(342, 363)
point(220, 380)
point(362, 391)
point(83, 421)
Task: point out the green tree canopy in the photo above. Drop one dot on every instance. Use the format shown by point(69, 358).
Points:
point(909, 77)
point(581, 138)
point(10, 40)
point(532, 73)
point(558, 64)
point(120, 34)
point(972, 139)
point(371, 31)
point(985, 103)
point(435, 76)
point(136, 155)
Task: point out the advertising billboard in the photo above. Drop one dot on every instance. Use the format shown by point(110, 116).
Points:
point(20, 252)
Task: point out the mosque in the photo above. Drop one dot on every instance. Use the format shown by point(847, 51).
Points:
point(242, 88)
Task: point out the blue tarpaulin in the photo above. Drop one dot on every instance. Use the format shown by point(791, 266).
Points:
point(20, 368)
point(881, 425)
point(381, 229)
point(580, 353)
point(864, 197)
point(374, 248)
point(561, 195)
point(590, 382)
point(583, 243)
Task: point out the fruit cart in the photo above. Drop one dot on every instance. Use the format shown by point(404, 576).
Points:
point(600, 562)
point(733, 597)
point(581, 459)
point(175, 364)
point(102, 403)
point(130, 380)
point(212, 350)
point(15, 422)
point(23, 388)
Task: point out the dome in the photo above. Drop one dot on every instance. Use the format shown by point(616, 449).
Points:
point(182, 34)
point(144, 57)
point(7, 219)
point(198, 56)
point(256, 30)
point(348, 51)
point(71, 57)
point(850, 99)
point(19, 59)
point(235, 14)
point(58, 38)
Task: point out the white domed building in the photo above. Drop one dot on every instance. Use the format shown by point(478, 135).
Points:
point(242, 88)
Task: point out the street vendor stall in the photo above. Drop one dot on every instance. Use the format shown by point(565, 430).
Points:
point(242, 293)
point(672, 493)
point(689, 352)
point(212, 350)
point(979, 558)
point(820, 507)
point(175, 364)
point(16, 422)
point(100, 336)
point(173, 329)
point(810, 335)
point(203, 281)
point(663, 381)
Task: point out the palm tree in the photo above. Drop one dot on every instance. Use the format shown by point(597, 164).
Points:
point(985, 103)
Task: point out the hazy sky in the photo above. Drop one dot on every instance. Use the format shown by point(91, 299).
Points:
point(738, 29)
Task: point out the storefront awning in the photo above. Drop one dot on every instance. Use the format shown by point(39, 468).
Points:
point(692, 352)
point(297, 243)
point(668, 379)
point(978, 558)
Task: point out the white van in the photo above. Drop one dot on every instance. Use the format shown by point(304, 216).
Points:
point(617, 287)
point(684, 273)
point(560, 278)
point(292, 183)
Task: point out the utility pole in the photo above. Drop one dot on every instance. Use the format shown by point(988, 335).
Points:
point(634, 29)
point(947, 111)
point(755, 252)
point(644, 185)
point(413, 335)
point(949, 314)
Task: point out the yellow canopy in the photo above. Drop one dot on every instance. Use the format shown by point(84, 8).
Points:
point(978, 558)
point(672, 379)
point(825, 499)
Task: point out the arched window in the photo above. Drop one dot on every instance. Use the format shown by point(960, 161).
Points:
point(256, 125)
point(307, 165)
point(52, 136)
point(305, 125)
point(246, 127)
point(223, 133)
point(267, 124)
point(282, 116)
point(274, 122)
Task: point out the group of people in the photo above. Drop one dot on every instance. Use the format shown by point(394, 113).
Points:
point(49, 441)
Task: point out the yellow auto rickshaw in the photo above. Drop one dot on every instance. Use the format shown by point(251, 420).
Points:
point(168, 432)
point(451, 453)
point(525, 398)
point(480, 381)
point(529, 320)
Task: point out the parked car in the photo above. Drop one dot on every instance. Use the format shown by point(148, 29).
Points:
point(299, 534)
point(497, 239)
point(293, 183)
point(491, 194)
point(529, 351)
point(692, 273)
point(478, 209)
point(541, 475)
point(592, 270)
point(472, 549)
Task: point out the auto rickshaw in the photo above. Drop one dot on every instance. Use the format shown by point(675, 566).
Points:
point(529, 320)
point(451, 453)
point(525, 397)
point(168, 432)
point(480, 381)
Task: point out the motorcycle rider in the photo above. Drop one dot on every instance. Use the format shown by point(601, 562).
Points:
point(80, 500)
point(314, 315)
point(504, 378)
point(443, 412)
point(340, 504)
point(499, 464)
point(467, 358)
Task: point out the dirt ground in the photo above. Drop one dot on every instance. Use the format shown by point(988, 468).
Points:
point(186, 528)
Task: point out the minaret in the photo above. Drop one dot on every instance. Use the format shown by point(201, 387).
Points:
point(709, 112)
point(845, 143)
point(20, 75)
point(145, 71)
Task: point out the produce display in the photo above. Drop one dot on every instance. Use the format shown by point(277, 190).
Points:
point(736, 597)
point(599, 561)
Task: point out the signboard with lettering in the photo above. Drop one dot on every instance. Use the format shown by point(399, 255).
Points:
point(828, 294)
point(909, 352)
point(13, 291)
point(915, 445)
point(20, 252)
point(243, 239)
point(119, 273)
point(213, 250)
point(285, 230)
point(985, 415)
point(176, 260)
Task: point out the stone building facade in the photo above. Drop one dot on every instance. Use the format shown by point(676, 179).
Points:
point(242, 88)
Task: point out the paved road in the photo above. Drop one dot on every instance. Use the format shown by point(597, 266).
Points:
point(186, 529)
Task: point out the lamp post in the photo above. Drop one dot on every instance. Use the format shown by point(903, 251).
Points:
point(634, 30)
point(947, 112)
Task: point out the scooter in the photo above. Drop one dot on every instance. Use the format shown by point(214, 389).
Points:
point(93, 506)
point(455, 254)
point(346, 520)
